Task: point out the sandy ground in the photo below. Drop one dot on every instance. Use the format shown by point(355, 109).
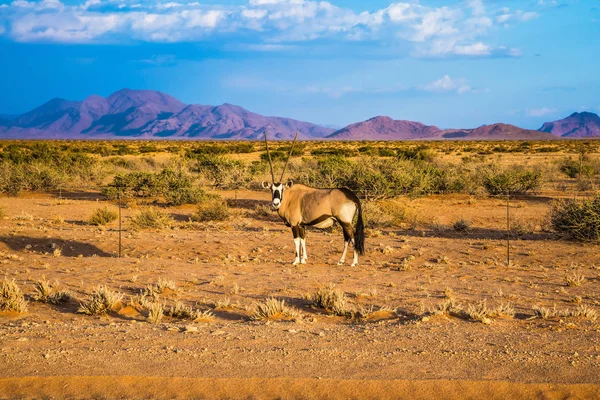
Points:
point(401, 352)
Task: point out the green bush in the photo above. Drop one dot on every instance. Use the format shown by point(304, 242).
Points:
point(222, 172)
point(421, 153)
point(513, 181)
point(175, 187)
point(574, 169)
point(43, 166)
point(579, 219)
point(334, 151)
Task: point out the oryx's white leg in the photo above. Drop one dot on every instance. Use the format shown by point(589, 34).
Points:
point(343, 259)
point(355, 260)
point(297, 245)
point(303, 257)
point(296, 233)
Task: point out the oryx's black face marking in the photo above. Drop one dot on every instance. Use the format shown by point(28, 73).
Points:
point(277, 192)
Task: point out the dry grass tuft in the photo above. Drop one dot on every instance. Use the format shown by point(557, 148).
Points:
point(544, 312)
point(273, 309)
point(152, 218)
point(103, 216)
point(575, 279)
point(447, 307)
point(101, 301)
point(155, 312)
point(504, 310)
point(480, 312)
point(181, 311)
point(223, 304)
point(11, 297)
point(47, 293)
point(331, 299)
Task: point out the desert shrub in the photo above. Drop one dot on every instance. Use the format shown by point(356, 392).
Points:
point(574, 169)
point(101, 301)
point(134, 184)
point(42, 166)
point(375, 178)
point(215, 210)
point(335, 152)
point(462, 225)
point(421, 153)
point(579, 219)
point(276, 155)
point(121, 162)
point(377, 151)
point(514, 181)
point(11, 297)
point(103, 216)
point(152, 218)
point(148, 148)
point(176, 187)
point(331, 299)
point(273, 309)
point(221, 171)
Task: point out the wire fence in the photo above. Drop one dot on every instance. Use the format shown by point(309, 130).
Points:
point(461, 228)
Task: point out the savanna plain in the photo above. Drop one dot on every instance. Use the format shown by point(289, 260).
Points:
point(480, 277)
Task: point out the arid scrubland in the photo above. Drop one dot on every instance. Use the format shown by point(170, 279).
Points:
point(205, 282)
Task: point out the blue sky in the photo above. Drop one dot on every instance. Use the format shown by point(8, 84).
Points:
point(447, 63)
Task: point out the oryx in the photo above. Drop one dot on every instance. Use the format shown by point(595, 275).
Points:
point(300, 206)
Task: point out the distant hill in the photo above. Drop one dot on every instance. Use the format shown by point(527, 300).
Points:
point(576, 125)
point(496, 132)
point(147, 114)
point(385, 128)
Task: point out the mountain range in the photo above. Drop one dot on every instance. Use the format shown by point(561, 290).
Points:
point(147, 114)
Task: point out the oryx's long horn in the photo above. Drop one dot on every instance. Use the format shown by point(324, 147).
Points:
point(289, 156)
point(270, 162)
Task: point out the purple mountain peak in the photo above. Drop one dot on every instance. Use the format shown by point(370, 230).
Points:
point(148, 114)
point(577, 125)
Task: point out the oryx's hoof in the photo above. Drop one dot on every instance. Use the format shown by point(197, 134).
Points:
point(296, 262)
point(303, 261)
point(354, 264)
point(340, 263)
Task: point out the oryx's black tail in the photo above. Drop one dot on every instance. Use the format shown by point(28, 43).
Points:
point(359, 234)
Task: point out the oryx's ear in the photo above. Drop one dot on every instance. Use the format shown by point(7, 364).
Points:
point(266, 185)
point(290, 183)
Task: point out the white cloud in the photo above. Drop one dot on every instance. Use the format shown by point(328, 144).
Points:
point(254, 14)
point(540, 112)
point(505, 16)
point(453, 30)
point(447, 84)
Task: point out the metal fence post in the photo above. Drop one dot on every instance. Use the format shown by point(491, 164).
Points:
point(120, 224)
point(508, 227)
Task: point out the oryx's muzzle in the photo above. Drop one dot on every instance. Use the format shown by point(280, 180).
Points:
point(277, 191)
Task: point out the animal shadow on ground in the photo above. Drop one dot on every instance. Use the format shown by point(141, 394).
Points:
point(68, 248)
